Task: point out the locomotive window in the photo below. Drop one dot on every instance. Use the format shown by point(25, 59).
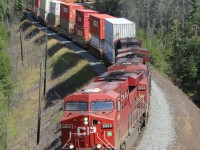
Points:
point(76, 106)
point(101, 105)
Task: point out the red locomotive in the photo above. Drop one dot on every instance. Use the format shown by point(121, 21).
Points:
point(106, 112)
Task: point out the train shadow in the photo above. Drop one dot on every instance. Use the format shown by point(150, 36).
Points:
point(64, 62)
point(75, 82)
point(54, 49)
point(32, 34)
point(40, 40)
point(25, 25)
point(56, 145)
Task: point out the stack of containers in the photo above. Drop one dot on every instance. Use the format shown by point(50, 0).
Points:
point(45, 7)
point(116, 28)
point(36, 6)
point(68, 15)
point(81, 27)
point(54, 14)
point(97, 29)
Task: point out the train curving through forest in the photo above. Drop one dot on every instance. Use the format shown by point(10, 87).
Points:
point(107, 113)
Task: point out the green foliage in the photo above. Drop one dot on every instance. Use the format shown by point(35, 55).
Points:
point(186, 50)
point(158, 54)
point(5, 81)
point(111, 7)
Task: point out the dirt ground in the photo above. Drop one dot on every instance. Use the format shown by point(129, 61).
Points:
point(186, 114)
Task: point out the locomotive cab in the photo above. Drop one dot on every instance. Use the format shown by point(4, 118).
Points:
point(88, 120)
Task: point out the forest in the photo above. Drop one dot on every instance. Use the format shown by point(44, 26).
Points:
point(171, 31)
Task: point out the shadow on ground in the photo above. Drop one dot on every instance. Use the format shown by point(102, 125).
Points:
point(25, 25)
point(40, 40)
point(54, 49)
point(70, 85)
point(65, 62)
point(56, 143)
point(32, 34)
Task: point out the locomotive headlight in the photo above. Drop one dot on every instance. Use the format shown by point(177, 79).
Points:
point(98, 146)
point(142, 96)
point(71, 146)
point(86, 120)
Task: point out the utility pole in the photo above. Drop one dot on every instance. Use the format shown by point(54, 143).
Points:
point(22, 57)
point(39, 108)
point(45, 63)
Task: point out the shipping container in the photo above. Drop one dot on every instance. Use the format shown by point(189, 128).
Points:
point(67, 25)
point(82, 17)
point(43, 15)
point(96, 42)
point(44, 9)
point(55, 8)
point(109, 52)
point(45, 5)
point(116, 28)
point(97, 25)
point(84, 33)
point(53, 20)
point(68, 11)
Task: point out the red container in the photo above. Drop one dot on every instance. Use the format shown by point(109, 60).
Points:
point(82, 17)
point(37, 3)
point(68, 11)
point(97, 26)
point(82, 32)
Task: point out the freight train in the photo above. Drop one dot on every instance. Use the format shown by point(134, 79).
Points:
point(109, 112)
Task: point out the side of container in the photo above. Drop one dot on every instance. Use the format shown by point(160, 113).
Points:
point(109, 52)
point(68, 11)
point(116, 28)
point(84, 33)
point(97, 25)
point(67, 25)
point(96, 42)
point(82, 17)
point(44, 9)
point(55, 8)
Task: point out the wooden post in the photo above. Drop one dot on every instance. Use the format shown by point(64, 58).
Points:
point(22, 57)
point(39, 108)
point(45, 63)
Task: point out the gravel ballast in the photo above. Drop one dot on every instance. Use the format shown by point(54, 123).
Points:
point(160, 132)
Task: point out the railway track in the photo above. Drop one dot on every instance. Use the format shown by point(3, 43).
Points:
point(138, 139)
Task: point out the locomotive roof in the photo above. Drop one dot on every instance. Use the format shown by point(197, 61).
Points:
point(100, 87)
point(128, 66)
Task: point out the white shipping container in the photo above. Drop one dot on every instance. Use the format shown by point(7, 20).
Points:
point(116, 28)
point(96, 42)
point(55, 8)
point(109, 52)
point(45, 5)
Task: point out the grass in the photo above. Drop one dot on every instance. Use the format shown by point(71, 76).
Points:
point(64, 67)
